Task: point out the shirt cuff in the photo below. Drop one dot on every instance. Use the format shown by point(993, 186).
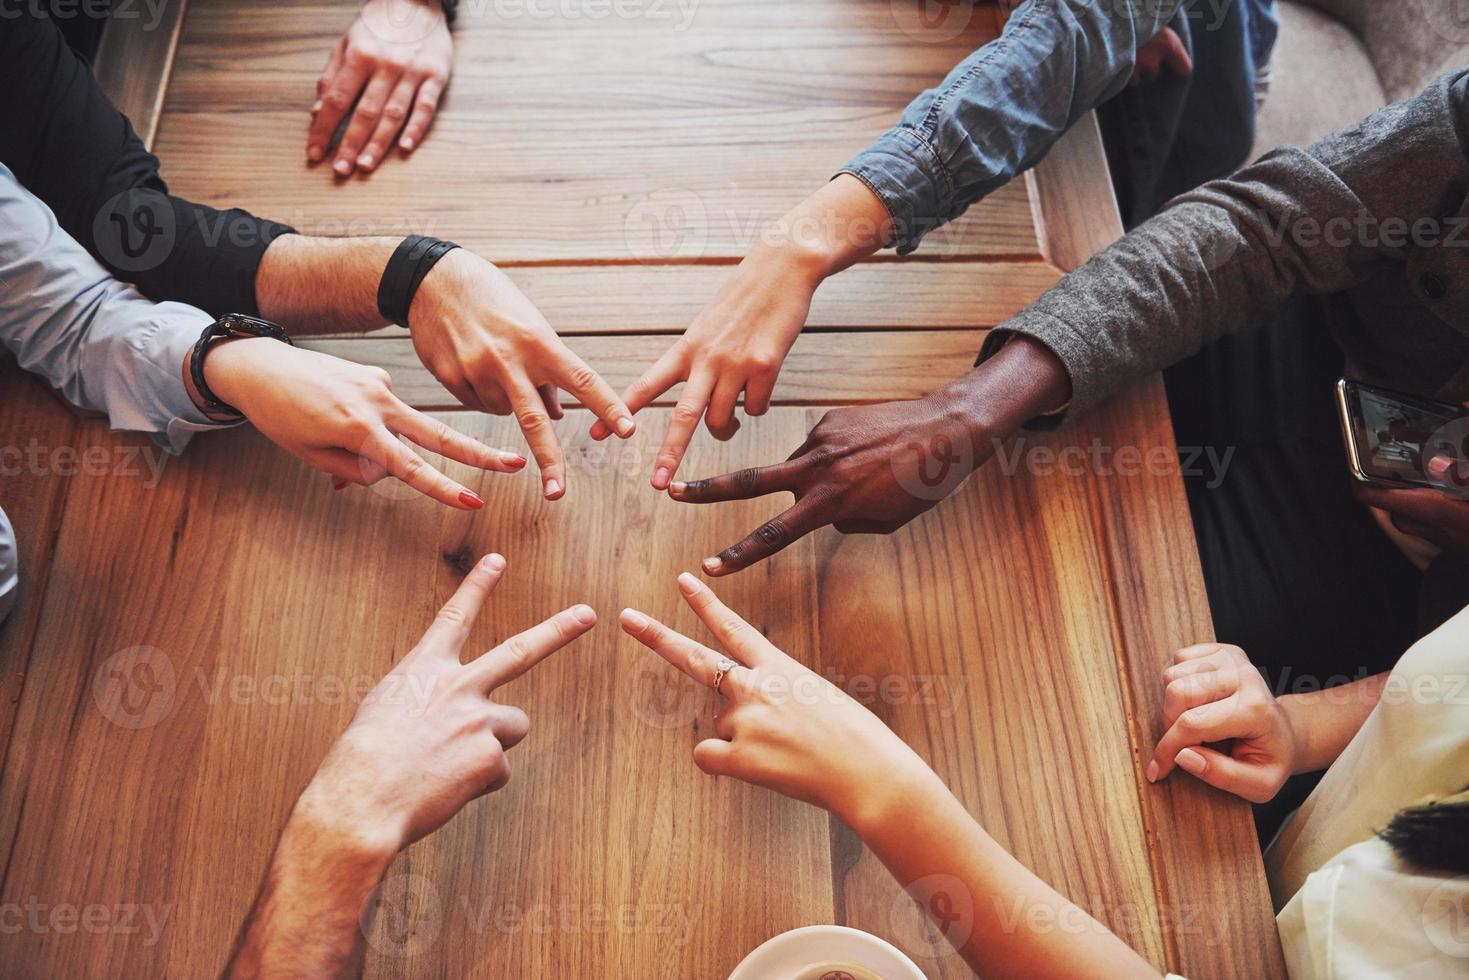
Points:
point(172, 341)
point(907, 175)
point(995, 341)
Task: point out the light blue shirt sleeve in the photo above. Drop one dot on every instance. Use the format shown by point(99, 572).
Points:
point(100, 342)
point(1004, 106)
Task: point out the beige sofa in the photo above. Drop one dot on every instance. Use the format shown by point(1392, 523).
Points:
point(1339, 60)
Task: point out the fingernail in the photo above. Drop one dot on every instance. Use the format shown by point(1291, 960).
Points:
point(633, 619)
point(314, 154)
point(1439, 466)
point(677, 487)
point(1190, 761)
point(661, 476)
point(338, 483)
point(406, 143)
point(343, 167)
point(712, 565)
point(471, 499)
point(687, 584)
point(625, 426)
point(1153, 771)
point(364, 161)
point(585, 615)
point(492, 563)
point(552, 488)
point(517, 461)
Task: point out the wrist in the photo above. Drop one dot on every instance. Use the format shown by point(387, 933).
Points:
point(1298, 733)
point(874, 808)
point(1022, 381)
point(228, 368)
point(328, 822)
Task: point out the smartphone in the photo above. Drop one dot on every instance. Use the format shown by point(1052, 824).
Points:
point(1391, 436)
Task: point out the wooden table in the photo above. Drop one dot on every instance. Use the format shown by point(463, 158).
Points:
point(1014, 635)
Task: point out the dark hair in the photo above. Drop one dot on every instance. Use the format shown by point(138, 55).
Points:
point(1433, 836)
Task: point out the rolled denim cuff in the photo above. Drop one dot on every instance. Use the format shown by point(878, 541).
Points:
point(9, 567)
point(907, 175)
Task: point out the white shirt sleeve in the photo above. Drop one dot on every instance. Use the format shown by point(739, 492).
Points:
point(101, 343)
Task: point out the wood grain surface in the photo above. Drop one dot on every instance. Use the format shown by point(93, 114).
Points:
point(1013, 635)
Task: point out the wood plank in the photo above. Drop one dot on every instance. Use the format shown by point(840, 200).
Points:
point(342, 584)
point(916, 295)
point(34, 424)
point(822, 368)
point(135, 58)
point(1217, 915)
point(664, 151)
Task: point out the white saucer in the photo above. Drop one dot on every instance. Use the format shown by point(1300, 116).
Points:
point(786, 955)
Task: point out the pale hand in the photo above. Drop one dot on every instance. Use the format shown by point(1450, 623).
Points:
point(393, 63)
point(343, 418)
point(428, 739)
point(1214, 694)
point(785, 727)
point(493, 350)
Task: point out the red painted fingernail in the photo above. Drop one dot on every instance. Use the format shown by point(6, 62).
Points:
point(517, 461)
point(338, 483)
point(470, 499)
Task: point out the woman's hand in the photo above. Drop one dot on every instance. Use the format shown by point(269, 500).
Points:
point(735, 346)
point(1213, 695)
point(428, 739)
point(739, 341)
point(343, 418)
point(393, 63)
point(489, 345)
point(785, 727)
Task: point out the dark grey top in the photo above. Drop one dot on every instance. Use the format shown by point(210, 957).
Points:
point(1373, 217)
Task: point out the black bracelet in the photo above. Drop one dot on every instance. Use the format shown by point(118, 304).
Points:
point(451, 10)
point(411, 262)
point(228, 326)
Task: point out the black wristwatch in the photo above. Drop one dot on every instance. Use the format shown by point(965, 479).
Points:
point(229, 326)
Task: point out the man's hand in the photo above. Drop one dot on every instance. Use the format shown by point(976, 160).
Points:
point(343, 418)
point(1215, 695)
point(737, 344)
point(495, 352)
point(1440, 517)
point(874, 468)
point(393, 64)
point(428, 739)
point(425, 742)
point(1166, 50)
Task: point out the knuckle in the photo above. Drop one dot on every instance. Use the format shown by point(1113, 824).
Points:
point(394, 112)
point(747, 480)
point(336, 99)
point(531, 420)
point(686, 414)
point(774, 533)
point(580, 376)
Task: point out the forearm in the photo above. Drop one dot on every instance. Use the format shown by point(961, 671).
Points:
point(1020, 925)
point(323, 285)
point(1323, 722)
point(1002, 108)
point(311, 916)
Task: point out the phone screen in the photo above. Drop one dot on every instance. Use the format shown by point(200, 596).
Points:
point(1393, 436)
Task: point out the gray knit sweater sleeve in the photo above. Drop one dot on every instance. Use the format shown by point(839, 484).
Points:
point(1226, 257)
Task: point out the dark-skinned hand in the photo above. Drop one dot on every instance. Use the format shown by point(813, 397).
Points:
point(1438, 516)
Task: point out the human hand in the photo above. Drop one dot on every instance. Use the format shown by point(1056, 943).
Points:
point(785, 727)
point(1438, 516)
point(343, 418)
point(735, 345)
point(1165, 50)
point(873, 468)
point(489, 345)
point(393, 63)
point(1214, 694)
point(428, 739)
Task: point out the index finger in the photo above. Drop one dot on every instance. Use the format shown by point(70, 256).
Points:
point(524, 650)
point(404, 464)
point(451, 626)
point(439, 437)
point(336, 101)
point(754, 481)
point(681, 428)
point(690, 656)
point(661, 375)
point(535, 424)
point(738, 636)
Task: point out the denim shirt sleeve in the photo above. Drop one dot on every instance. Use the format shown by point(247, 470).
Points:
point(1003, 107)
point(100, 342)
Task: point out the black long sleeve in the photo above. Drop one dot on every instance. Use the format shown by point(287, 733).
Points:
point(70, 146)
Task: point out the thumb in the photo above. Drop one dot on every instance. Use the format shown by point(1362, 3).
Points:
point(1175, 56)
point(1256, 782)
point(713, 755)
